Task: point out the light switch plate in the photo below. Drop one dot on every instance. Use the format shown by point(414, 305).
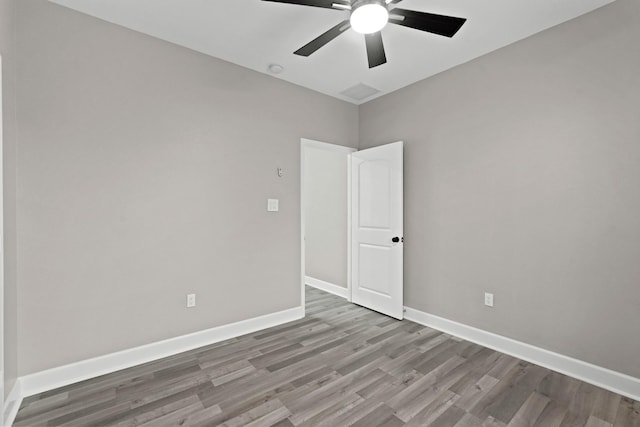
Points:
point(191, 300)
point(488, 299)
point(272, 205)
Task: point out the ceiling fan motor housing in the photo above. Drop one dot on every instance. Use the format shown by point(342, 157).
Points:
point(357, 3)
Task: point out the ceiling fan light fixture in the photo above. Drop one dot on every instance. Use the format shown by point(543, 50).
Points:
point(369, 16)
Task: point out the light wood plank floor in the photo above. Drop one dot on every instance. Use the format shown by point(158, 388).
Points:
point(341, 365)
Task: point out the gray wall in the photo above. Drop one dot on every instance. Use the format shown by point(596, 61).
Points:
point(144, 170)
point(325, 210)
point(10, 320)
point(521, 178)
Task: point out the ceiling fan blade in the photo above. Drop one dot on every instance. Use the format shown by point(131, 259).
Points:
point(375, 49)
point(316, 3)
point(442, 25)
point(323, 39)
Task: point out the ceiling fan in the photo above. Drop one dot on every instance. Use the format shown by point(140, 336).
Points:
point(368, 17)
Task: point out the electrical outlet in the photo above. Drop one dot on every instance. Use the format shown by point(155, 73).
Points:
point(191, 300)
point(488, 299)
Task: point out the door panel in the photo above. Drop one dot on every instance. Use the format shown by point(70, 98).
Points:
point(375, 279)
point(374, 193)
point(377, 210)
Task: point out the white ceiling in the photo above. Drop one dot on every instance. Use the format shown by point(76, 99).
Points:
point(254, 34)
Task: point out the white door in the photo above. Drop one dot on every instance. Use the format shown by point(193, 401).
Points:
point(376, 229)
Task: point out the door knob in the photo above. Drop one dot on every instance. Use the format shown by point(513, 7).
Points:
point(395, 239)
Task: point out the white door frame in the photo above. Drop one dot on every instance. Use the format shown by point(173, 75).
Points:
point(2, 391)
point(305, 144)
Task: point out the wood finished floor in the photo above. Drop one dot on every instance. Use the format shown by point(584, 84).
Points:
point(341, 365)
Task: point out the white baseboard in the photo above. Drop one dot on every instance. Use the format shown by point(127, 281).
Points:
point(68, 374)
point(12, 404)
point(327, 287)
point(616, 382)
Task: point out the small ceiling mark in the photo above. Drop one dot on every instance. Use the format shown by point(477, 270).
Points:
point(275, 68)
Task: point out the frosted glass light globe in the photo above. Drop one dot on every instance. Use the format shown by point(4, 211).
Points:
point(369, 18)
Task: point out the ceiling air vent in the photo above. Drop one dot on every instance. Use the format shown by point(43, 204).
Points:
point(359, 92)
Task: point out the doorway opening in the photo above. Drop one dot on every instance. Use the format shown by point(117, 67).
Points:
point(325, 217)
point(352, 235)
